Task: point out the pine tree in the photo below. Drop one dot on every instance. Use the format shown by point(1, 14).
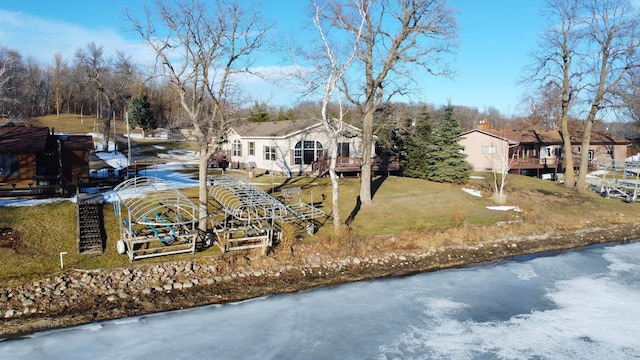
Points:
point(415, 162)
point(259, 113)
point(445, 159)
point(140, 113)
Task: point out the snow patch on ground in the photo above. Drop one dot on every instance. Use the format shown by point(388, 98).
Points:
point(504, 208)
point(180, 155)
point(472, 192)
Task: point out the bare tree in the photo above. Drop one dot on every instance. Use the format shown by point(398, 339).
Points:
point(501, 164)
point(12, 75)
point(612, 30)
point(399, 37)
point(554, 66)
point(59, 69)
point(200, 48)
point(589, 48)
point(5, 76)
point(326, 75)
point(630, 93)
point(544, 108)
point(109, 77)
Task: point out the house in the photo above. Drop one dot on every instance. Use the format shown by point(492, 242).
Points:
point(292, 147)
point(537, 152)
point(36, 157)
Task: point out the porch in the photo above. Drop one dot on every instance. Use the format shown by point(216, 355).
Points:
point(540, 166)
point(353, 165)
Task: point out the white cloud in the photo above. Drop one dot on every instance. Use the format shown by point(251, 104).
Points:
point(42, 39)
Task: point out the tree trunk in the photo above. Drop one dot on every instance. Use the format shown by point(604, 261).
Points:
point(107, 123)
point(335, 202)
point(203, 197)
point(569, 175)
point(581, 184)
point(365, 170)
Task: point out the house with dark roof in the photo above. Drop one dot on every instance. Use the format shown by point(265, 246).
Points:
point(33, 157)
point(293, 147)
point(537, 152)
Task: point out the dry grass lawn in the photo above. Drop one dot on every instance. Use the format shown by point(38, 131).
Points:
point(416, 213)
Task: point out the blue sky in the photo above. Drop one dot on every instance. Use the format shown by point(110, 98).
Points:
point(496, 37)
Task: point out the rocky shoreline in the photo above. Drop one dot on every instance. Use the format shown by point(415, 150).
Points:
point(79, 296)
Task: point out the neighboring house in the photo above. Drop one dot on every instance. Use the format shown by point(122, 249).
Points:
point(535, 152)
point(34, 156)
point(292, 147)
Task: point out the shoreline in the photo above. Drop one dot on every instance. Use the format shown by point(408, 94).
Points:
point(85, 297)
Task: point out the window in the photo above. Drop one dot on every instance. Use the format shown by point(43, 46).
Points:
point(343, 150)
point(9, 165)
point(547, 151)
point(237, 148)
point(591, 154)
point(489, 149)
point(306, 152)
point(252, 148)
point(609, 152)
point(269, 152)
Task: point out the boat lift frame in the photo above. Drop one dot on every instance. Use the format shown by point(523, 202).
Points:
point(155, 219)
point(250, 218)
point(618, 179)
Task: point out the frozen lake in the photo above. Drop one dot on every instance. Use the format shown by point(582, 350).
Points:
point(581, 304)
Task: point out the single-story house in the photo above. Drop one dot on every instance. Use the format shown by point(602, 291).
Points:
point(537, 152)
point(292, 147)
point(37, 156)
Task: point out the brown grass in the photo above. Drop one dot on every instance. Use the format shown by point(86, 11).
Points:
point(406, 214)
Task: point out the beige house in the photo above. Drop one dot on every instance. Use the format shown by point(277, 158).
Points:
point(292, 147)
point(536, 152)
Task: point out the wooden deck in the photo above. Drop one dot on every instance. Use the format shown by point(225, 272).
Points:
point(351, 165)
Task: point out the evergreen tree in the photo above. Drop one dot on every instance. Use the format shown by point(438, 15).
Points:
point(415, 161)
point(445, 159)
point(259, 113)
point(140, 113)
point(286, 114)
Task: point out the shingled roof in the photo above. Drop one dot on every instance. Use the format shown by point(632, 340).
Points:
point(15, 139)
point(76, 142)
point(274, 128)
point(554, 137)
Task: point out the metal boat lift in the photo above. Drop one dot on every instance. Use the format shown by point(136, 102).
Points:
point(155, 219)
point(618, 179)
point(249, 217)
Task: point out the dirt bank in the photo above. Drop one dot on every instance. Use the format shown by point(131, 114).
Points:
point(284, 278)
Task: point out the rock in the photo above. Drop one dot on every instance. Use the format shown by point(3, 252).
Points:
point(9, 313)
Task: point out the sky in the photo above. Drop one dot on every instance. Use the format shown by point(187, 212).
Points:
point(496, 39)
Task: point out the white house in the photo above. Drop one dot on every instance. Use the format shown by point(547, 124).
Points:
point(291, 147)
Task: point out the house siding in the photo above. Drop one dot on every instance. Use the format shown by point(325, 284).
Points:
point(285, 150)
point(473, 144)
point(538, 152)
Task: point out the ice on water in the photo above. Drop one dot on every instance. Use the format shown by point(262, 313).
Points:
point(580, 304)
